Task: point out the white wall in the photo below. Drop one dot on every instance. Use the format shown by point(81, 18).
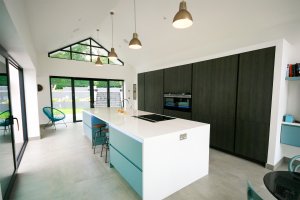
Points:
point(69, 68)
point(31, 100)
point(293, 105)
point(16, 39)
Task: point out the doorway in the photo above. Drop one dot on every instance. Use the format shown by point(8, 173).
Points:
point(13, 128)
point(73, 95)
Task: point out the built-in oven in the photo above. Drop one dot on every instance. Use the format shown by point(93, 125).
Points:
point(181, 102)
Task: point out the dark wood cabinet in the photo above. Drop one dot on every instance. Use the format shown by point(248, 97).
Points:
point(178, 79)
point(201, 93)
point(233, 94)
point(254, 98)
point(141, 91)
point(178, 114)
point(214, 99)
point(154, 91)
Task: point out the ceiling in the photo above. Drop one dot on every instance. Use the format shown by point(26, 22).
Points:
point(218, 26)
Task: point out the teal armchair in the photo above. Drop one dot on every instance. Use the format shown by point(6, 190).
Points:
point(251, 194)
point(54, 115)
point(294, 164)
point(5, 121)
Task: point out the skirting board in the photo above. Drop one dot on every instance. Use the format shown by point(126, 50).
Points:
point(274, 167)
point(34, 138)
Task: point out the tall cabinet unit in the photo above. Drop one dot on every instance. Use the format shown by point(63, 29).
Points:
point(214, 99)
point(254, 98)
point(141, 91)
point(154, 91)
point(178, 80)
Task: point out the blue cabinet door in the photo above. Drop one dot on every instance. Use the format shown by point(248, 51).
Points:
point(127, 170)
point(129, 147)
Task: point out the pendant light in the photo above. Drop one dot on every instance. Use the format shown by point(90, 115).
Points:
point(135, 43)
point(112, 54)
point(98, 61)
point(183, 19)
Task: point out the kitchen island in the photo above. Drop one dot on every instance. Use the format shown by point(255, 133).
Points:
point(155, 158)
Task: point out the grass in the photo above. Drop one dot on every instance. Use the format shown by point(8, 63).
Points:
point(70, 110)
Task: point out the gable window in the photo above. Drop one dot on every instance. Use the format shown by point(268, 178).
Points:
point(84, 50)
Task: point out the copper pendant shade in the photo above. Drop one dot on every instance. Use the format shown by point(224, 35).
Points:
point(135, 43)
point(183, 19)
point(112, 54)
point(98, 61)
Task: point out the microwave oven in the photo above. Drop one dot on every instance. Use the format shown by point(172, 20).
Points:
point(181, 102)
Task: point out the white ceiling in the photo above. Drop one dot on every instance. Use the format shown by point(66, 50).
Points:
point(218, 26)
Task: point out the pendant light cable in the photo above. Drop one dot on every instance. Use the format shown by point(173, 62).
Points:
point(112, 29)
point(134, 16)
point(135, 43)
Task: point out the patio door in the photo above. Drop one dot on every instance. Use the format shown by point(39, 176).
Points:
point(73, 95)
point(13, 127)
point(82, 97)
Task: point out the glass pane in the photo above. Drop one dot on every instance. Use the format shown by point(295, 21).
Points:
point(81, 48)
point(16, 107)
point(100, 94)
point(95, 44)
point(6, 151)
point(85, 42)
point(115, 62)
point(61, 54)
point(103, 59)
point(81, 57)
point(62, 96)
point(99, 51)
point(116, 93)
point(82, 96)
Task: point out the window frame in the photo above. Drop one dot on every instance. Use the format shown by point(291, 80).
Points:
point(90, 40)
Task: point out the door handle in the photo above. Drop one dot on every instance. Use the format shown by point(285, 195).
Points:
point(14, 118)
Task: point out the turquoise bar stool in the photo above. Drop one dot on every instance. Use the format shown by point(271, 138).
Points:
point(252, 195)
point(294, 164)
point(100, 137)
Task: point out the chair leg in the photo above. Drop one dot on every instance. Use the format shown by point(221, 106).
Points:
point(106, 153)
point(65, 123)
point(101, 150)
point(54, 125)
point(47, 124)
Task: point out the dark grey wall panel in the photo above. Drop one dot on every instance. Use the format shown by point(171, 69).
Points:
point(141, 91)
point(154, 91)
point(254, 100)
point(178, 114)
point(178, 79)
point(214, 98)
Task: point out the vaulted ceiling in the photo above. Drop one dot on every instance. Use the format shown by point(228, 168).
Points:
point(218, 26)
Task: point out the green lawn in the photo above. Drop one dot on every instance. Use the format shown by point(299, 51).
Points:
point(68, 111)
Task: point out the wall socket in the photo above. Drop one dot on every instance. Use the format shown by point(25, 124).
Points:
point(183, 136)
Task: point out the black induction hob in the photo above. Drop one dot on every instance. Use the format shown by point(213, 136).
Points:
point(154, 117)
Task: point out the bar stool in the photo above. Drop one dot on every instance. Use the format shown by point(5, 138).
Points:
point(100, 137)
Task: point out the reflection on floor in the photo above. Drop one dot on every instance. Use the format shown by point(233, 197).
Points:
point(62, 166)
point(6, 159)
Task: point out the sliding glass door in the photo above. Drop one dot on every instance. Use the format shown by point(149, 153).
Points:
point(13, 127)
point(82, 91)
point(116, 93)
point(15, 94)
point(72, 95)
point(100, 94)
point(61, 92)
point(7, 164)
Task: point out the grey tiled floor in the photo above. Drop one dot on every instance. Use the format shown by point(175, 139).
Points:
point(62, 166)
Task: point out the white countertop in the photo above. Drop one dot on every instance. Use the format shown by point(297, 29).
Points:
point(138, 128)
